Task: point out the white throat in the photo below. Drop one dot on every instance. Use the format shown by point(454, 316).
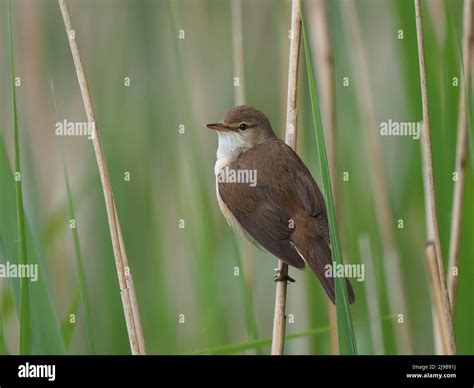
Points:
point(231, 145)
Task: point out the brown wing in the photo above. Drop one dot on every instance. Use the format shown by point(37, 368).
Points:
point(318, 252)
point(262, 218)
point(259, 209)
point(313, 202)
point(292, 172)
point(309, 194)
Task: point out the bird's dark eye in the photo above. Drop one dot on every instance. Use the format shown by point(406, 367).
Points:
point(243, 126)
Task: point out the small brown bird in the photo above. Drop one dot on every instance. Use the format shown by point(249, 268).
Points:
point(266, 192)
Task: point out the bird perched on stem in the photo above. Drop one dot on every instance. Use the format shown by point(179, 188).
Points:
point(266, 192)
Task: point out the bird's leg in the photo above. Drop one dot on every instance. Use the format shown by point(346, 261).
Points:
point(279, 277)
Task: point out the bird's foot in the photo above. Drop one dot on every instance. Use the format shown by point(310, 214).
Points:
point(279, 277)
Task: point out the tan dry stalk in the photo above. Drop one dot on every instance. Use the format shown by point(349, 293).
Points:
point(279, 321)
point(127, 290)
point(377, 176)
point(432, 223)
point(461, 156)
point(238, 51)
point(325, 73)
point(436, 299)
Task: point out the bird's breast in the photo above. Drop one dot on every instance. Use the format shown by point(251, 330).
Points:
point(234, 224)
point(226, 154)
point(231, 220)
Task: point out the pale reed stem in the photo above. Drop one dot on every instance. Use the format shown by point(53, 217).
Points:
point(127, 289)
point(446, 323)
point(279, 321)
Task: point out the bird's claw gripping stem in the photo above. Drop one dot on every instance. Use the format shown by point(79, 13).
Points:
point(279, 277)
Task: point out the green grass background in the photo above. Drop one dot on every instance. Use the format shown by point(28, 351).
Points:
point(189, 82)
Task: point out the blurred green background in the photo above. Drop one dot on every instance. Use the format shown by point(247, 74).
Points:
point(190, 299)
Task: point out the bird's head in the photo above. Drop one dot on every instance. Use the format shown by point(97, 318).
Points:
point(244, 125)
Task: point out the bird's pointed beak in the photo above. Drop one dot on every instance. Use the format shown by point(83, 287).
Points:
point(218, 126)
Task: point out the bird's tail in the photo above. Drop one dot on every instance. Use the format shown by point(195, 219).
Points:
point(319, 260)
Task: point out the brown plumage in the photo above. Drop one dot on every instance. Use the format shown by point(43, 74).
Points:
point(284, 211)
